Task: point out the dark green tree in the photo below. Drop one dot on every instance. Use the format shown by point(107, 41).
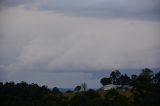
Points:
point(84, 86)
point(113, 98)
point(55, 90)
point(54, 100)
point(133, 77)
point(157, 78)
point(125, 80)
point(105, 81)
point(88, 98)
point(115, 77)
point(146, 91)
point(144, 80)
point(77, 88)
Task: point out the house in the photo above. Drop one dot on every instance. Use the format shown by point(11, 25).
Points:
point(110, 86)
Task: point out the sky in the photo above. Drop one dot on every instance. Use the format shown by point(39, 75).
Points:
point(64, 43)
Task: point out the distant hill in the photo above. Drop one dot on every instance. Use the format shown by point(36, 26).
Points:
point(63, 90)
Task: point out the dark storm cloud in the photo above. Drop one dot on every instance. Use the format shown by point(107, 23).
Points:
point(135, 9)
point(141, 9)
point(41, 47)
point(13, 3)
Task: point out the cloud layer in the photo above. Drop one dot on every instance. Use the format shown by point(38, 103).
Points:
point(55, 42)
point(134, 9)
point(64, 40)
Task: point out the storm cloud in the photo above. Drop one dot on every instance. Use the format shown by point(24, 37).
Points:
point(59, 38)
point(47, 41)
point(134, 9)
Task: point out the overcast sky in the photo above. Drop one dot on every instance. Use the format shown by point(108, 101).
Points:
point(66, 42)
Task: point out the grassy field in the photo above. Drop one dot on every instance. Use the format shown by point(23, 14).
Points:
point(102, 93)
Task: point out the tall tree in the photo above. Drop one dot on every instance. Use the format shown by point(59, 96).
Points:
point(115, 77)
point(84, 86)
point(144, 80)
point(147, 73)
point(125, 80)
point(133, 77)
point(157, 78)
point(146, 91)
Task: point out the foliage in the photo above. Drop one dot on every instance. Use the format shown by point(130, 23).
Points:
point(54, 100)
point(21, 94)
point(145, 92)
point(55, 90)
point(125, 80)
point(88, 98)
point(115, 77)
point(105, 81)
point(113, 98)
point(157, 78)
point(77, 88)
point(84, 86)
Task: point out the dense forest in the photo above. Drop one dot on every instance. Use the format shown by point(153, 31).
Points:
point(145, 90)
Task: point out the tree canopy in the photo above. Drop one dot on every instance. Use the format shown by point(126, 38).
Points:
point(145, 91)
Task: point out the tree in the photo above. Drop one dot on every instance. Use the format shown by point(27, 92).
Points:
point(55, 90)
point(22, 94)
point(115, 77)
point(125, 80)
point(84, 86)
point(105, 81)
point(146, 77)
point(78, 100)
point(145, 88)
point(133, 77)
point(54, 100)
point(144, 80)
point(157, 78)
point(68, 91)
point(88, 98)
point(77, 88)
point(147, 73)
point(113, 98)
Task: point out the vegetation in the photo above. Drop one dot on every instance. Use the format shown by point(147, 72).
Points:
point(145, 91)
point(84, 86)
point(105, 81)
point(77, 88)
point(116, 78)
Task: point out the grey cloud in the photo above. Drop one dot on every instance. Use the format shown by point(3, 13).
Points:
point(13, 3)
point(89, 48)
point(51, 43)
point(1, 36)
point(55, 42)
point(141, 9)
point(134, 9)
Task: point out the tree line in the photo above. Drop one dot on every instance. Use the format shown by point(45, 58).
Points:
point(117, 78)
point(145, 92)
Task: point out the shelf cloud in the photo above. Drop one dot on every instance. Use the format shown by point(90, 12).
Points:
point(134, 9)
point(57, 37)
point(57, 42)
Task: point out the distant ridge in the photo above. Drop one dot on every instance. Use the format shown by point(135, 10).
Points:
point(63, 90)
